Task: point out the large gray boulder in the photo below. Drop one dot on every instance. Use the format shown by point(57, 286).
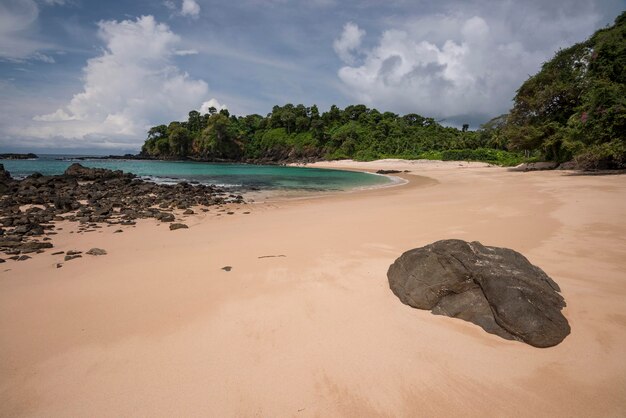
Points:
point(495, 288)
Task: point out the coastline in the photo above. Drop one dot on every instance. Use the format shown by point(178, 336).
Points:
point(156, 326)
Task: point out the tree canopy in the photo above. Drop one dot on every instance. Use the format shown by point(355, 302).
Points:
point(575, 106)
point(298, 132)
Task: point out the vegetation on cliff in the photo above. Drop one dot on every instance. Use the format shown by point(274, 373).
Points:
point(575, 106)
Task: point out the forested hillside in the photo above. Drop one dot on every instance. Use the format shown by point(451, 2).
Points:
point(573, 108)
point(299, 133)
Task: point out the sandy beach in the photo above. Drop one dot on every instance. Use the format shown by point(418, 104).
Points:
point(305, 324)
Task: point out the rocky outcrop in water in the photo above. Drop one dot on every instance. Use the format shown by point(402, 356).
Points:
point(495, 288)
point(11, 156)
point(82, 173)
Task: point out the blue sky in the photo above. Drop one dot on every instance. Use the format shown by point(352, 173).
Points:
point(92, 76)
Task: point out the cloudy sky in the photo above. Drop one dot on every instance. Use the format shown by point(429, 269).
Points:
point(92, 75)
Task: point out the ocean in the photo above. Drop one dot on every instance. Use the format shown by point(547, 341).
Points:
point(236, 177)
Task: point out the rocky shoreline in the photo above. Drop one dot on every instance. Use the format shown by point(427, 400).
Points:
point(11, 156)
point(91, 197)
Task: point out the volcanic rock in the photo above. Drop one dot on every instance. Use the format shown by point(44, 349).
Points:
point(176, 226)
point(86, 174)
point(495, 288)
point(165, 217)
point(388, 171)
point(89, 196)
point(97, 251)
point(12, 156)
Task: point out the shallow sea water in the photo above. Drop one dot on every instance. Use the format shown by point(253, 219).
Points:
point(237, 177)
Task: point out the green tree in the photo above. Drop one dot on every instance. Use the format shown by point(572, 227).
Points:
point(179, 141)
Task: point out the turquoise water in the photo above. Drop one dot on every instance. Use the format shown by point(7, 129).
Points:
point(234, 176)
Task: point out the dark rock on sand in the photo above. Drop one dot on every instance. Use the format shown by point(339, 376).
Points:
point(176, 226)
point(90, 196)
point(495, 288)
point(227, 268)
point(97, 251)
point(388, 172)
point(15, 244)
point(165, 217)
point(71, 257)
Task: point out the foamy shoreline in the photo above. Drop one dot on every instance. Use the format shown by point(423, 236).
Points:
point(157, 328)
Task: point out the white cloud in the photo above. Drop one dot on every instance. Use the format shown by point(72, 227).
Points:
point(43, 58)
point(169, 4)
point(204, 108)
point(183, 52)
point(57, 116)
point(451, 65)
point(190, 8)
point(133, 85)
point(348, 42)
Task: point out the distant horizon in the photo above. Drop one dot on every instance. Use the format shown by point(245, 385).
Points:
point(96, 152)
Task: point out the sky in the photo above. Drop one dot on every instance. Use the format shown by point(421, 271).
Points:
point(92, 76)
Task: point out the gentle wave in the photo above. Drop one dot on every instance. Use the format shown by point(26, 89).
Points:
point(171, 181)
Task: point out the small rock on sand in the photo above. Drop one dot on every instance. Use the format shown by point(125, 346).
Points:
point(176, 226)
point(97, 251)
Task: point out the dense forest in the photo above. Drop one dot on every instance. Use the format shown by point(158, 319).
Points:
point(292, 133)
point(574, 108)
